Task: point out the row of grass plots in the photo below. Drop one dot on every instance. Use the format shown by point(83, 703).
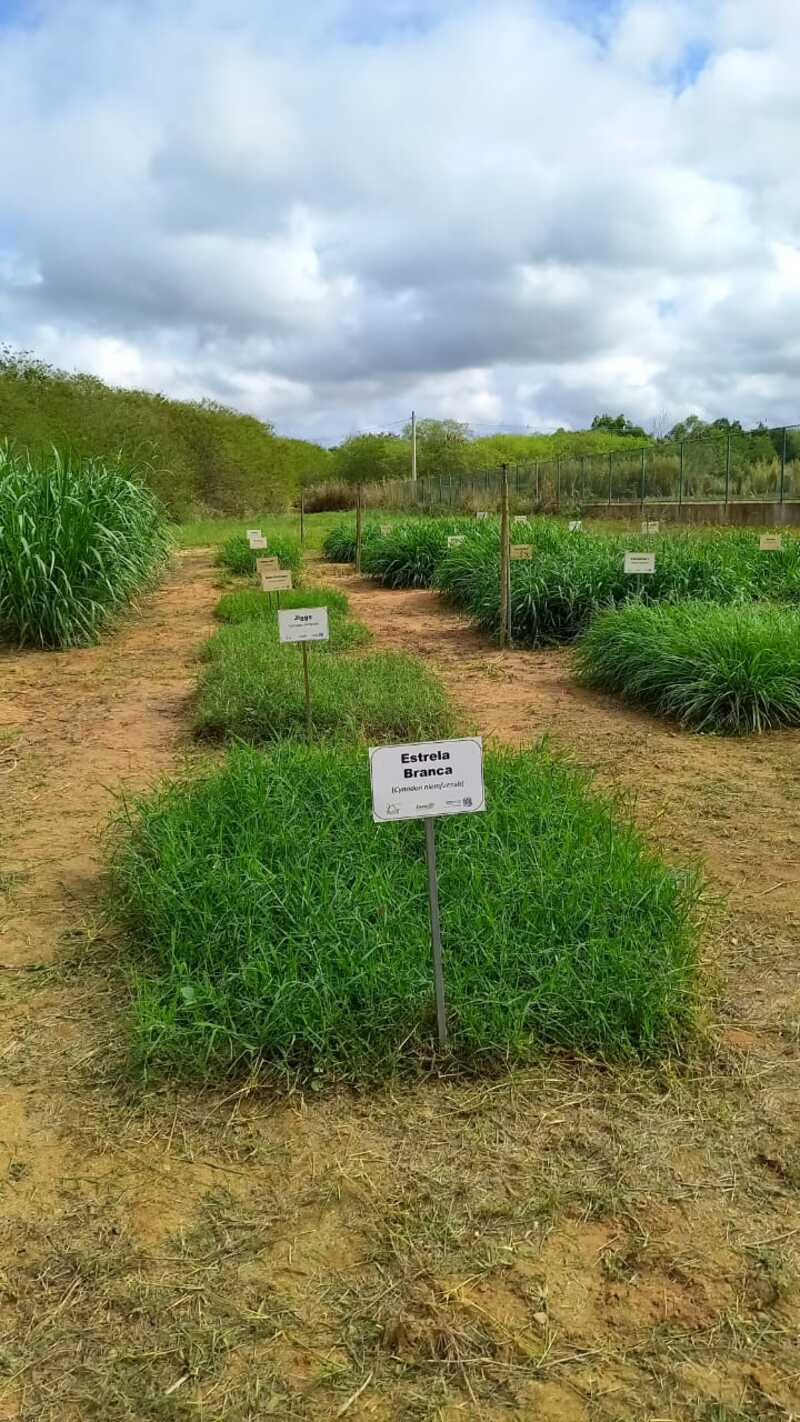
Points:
point(280, 926)
point(237, 555)
point(728, 669)
point(275, 927)
point(79, 539)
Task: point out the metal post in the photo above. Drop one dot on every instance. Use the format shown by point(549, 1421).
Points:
point(505, 562)
point(359, 521)
point(610, 479)
point(727, 468)
point(308, 689)
point(414, 446)
point(436, 932)
point(783, 464)
point(302, 513)
point(680, 478)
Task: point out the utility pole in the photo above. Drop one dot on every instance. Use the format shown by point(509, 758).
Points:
point(414, 446)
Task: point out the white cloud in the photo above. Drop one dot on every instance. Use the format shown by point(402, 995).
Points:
point(327, 215)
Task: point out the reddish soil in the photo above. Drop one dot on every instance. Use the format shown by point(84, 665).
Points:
point(564, 1243)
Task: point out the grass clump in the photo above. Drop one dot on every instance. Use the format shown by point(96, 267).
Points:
point(573, 576)
point(339, 544)
point(277, 924)
point(409, 555)
point(727, 669)
point(251, 605)
point(79, 538)
point(237, 557)
point(252, 689)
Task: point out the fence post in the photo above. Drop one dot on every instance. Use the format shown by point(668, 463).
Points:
point(558, 483)
point(680, 478)
point(727, 468)
point(505, 562)
point(783, 464)
point(538, 492)
point(359, 527)
point(642, 482)
point(610, 478)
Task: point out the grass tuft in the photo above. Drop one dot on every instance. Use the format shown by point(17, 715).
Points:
point(237, 557)
point(277, 923)
point(727, 669)
point(252, 689)
point(79, 538)
point(249, 604)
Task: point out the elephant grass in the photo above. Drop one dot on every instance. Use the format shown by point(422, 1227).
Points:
point(79, 539)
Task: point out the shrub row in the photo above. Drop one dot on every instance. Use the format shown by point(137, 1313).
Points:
point(237, 557)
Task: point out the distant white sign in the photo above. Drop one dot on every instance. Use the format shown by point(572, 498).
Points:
point(771, 543)
point(257, 540)
point(277, 582)
point(417, 782)
point(253, 533)
point(575, 525)
point(482, 515)
point(455, 540)
point(267, 565)
point(386, 529)
point(303, 624)
point(520, 518)
point(520, 551)
point(651, 526)
point(640, 562)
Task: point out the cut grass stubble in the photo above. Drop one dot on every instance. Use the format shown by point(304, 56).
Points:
point(279, 924)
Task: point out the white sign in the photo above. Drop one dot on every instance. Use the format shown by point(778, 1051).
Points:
point(303, 624)
point(771, 543)
point(575, 525)
point(455, 540)
point(481, 515)
point(417, 782)
point(253, 533)
point(640, 562)
point(267, 565)
point(277, 582)
point(650, 527)
point(519, 551)
point(386, 529)
point(520, 518)
point(257, 540)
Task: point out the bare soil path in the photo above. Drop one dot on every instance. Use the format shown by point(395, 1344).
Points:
point(564, 1243)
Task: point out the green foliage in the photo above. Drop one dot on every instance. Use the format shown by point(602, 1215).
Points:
point(78, 539)
point(370, 459)
point(252, 689)
point(195, 455)
point(726, 669)
point(617, 424)
point(236, 555)
point(572, 576)
point(339, 544)
point(277, 924)
point(409, 556)
point(251, 604)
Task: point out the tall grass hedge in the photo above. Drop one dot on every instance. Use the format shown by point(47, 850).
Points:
point(728, 669)
point(275, 923)
point(79, 538)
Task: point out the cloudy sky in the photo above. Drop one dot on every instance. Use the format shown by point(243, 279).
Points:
point(331, 211)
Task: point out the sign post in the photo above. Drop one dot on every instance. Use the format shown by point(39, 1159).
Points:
point(638, 565)
point(359, 527)
point(304, 625)
point(424, 781)
point(505, 563)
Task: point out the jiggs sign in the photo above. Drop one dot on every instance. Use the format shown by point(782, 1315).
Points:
point(303, 624)
point(416, 782)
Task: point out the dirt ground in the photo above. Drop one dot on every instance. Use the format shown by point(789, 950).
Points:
point(560, 1244)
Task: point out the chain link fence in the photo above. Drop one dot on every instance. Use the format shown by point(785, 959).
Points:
point(738, 467)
